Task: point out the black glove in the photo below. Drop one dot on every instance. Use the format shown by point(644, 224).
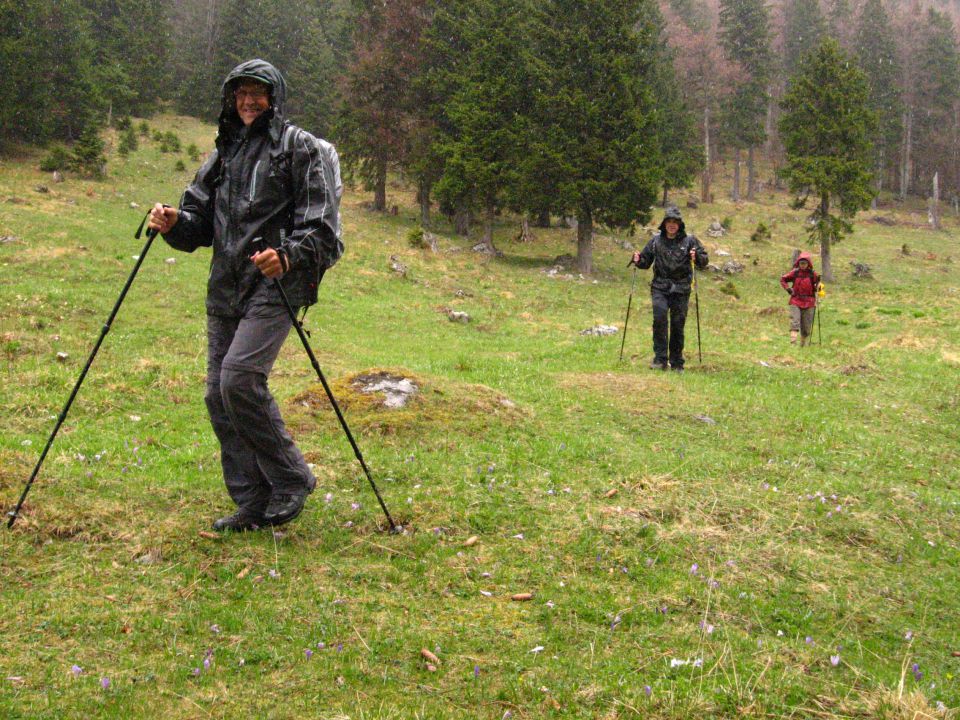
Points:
point(789, 291)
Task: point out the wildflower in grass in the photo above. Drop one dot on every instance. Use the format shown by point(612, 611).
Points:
point(917, 673)
point(105, 683)
point(834, 660)
point(273, 573)
point(76, 670)
point(339, 647)
point(698, 662)
point(779, 633)
point(647, 690)
point(328, 497)
point(206, 663)
point(809, 641)
point(615, 622)
point(195, 672)
point(694, 569)
point(348, 524)
point(354, 506)
point(321, 645)
point(549, 604)
point(308, 653)
point(476, 671)
point(215, 629)
point(518, 536)
point(909, 636)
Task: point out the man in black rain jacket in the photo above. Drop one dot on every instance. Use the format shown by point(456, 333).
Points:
point(266, 181)
point(670, 252)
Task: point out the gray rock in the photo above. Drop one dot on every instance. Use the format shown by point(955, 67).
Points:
point(397, 266)
point(458, 316)
point(57, 176)
point(732, 267)
point(396, 390)
point(600, 330)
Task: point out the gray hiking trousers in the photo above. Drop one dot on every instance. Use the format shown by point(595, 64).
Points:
point(257, 454)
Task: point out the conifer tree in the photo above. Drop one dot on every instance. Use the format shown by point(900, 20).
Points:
point(937, 100)
point(877, 55)
point(804, 27)
point(745, 36)
point(595, 120)
point(826, 128)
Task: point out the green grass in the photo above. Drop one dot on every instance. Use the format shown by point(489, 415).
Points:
point(814, 489)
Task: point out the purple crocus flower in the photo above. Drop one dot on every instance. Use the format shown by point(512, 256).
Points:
point(917, 674)
point(835, 660)
point(647, 690)
point(809, 641)
point(196, 672)
point(694, 569)
point(105, 682)
point(321, 645)
point(308, 653)
point(476, 671)
point(206, 663)
point(76, 670)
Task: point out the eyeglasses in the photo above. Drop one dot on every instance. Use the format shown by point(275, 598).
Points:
point(255, 94)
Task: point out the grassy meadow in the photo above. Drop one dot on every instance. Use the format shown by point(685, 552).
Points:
point(772, 534)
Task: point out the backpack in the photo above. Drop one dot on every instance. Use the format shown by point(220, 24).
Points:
point(331, 176)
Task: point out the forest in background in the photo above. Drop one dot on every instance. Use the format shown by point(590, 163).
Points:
point(593, 109)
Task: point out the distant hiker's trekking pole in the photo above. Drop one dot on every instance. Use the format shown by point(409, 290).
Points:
point(633, 286)
point(696, 296)
point(151, 234)
point(259, 246)
point(821, 293)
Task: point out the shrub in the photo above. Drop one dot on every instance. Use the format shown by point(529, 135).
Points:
point(144, 128)
point(157, 136)
point(727, 223)
point(124, 123)
point(87, 157)
point(193, 152)
point(415, 238)
point(128, 142)
point(762, 233)
point(179, 167)
point(172, 140)
point(57, 159)
point(728, 288)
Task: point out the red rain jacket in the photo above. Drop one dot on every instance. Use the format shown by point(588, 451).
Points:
point(805, 283)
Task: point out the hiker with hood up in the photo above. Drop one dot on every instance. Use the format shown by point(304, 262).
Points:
point(670, 252)
point(803, 297)
point(267, 180)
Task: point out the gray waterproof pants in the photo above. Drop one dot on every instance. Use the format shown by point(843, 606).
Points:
point(669, 318)
point(257, 454)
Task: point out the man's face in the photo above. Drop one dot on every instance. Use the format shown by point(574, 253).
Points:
point(252, 99)
point(672, 227)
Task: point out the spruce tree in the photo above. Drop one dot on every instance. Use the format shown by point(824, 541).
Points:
point(804, 27)
point(937, 100)
point(826, 128)
point(595, 119)
point(480, 68)
point(876, 52)
point(745, 36)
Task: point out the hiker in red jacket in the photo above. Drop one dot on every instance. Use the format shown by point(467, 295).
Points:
point(803, 297)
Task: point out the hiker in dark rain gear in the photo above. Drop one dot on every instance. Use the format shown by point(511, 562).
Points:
point(267, 180)
point(669, 252)
point(803, 297)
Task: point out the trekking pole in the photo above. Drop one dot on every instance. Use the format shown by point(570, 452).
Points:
point(633, 286)
point(259, 246)
point(821, 293)
point(696, 295)
point(151, 234)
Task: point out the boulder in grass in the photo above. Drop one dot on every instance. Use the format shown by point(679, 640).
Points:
point(600, 330)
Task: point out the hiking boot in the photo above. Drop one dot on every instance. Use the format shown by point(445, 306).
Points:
point(658, 365)
point(240, 521)
point(677, 368)
point(284, 507)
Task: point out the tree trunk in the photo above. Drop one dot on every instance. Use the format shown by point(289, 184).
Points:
point(825, 241)
point(665, 195)
point(543, 219)
point(424, 196)
point(585, 242)
point(935, 202)
point(380, 187)
point(461, 221)
point(750, 173)
point(905, 159)
point(705, 177)
point(735, 194)
point(488, 230)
